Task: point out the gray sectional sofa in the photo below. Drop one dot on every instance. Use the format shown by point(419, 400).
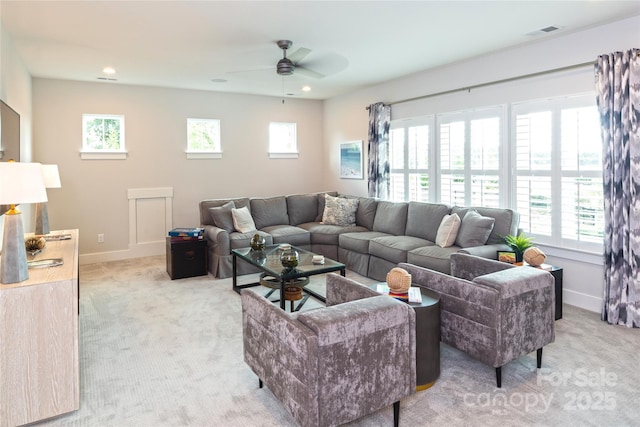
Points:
point(383, 234)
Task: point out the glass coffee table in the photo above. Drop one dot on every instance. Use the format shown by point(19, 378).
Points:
point(275, 275)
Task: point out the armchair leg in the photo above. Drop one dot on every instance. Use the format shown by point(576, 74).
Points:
point(396, 413)
point(499, 376)
point(539, 357)
point(260, 383)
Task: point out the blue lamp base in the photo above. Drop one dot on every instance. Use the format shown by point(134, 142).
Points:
point(13, 265)
point(42, 219)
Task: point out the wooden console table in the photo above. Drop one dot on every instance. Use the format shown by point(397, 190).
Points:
point(39, 372)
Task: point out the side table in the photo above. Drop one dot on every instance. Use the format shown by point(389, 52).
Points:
point(186, 258)
point(427, 338)
point(556, 272)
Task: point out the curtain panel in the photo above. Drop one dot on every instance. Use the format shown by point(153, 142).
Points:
point(379, 182)
point(618, 100)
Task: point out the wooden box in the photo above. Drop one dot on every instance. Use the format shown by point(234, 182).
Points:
point(186, 258)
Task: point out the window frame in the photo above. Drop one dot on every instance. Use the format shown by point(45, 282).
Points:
point(88, 153)
point(407, 171)
point(277, 152)
point(216, 152)
point(556, 173)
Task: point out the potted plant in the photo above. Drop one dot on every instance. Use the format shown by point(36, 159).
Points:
point(518, 244)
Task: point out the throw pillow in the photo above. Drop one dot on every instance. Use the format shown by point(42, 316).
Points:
point(242, 220)
point(339, 211)
point(474, 229)
point(221, 216)
point(448, 230)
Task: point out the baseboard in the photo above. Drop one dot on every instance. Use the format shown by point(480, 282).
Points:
point(578, 299)
point(137, 251)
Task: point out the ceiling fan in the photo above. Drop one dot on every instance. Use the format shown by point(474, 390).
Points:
point(287, 66)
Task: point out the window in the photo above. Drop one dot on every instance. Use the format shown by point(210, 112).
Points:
point(103, 136)
point(550, 171)
point(470, 153)
point(203, 139)
point(282, 140)
point(409, 157)
point(558, 166)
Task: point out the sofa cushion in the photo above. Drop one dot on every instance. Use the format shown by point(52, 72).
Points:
point(302, 208)
point(288, 234)
point(222, 217)
point(474, 229)
point(448, 230)
point(366, 212)
point(432, 257)
point(243, 240)
point(324, 234)
point(394, 248)
point(391, 218)
point(242, 220)
point(339, 211)
point(423, 219)
point(358, 242)
point(272, 211)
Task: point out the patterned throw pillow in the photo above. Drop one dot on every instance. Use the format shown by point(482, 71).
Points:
point(339, 211)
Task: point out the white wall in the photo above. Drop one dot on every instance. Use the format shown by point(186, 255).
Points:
point(345, 117)
point(15, 91)
point(93, 196)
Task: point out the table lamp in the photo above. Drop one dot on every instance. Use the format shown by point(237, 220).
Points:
point(51, 180)
point(19, 183)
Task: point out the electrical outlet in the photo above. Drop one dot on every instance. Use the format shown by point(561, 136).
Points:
point(100, 238)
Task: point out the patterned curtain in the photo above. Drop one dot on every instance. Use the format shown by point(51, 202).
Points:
point(379, 122)
point(618, 99)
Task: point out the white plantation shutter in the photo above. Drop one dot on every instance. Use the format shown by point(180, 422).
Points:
point(470, 153)
point(558, 162)
point(410, 159)
point(452, 163)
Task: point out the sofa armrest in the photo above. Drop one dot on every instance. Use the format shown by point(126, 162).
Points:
point(469, 267)
point(516, 281)
point(218, 239)
point(486, 251)
point(526, 309)
point(340, 290)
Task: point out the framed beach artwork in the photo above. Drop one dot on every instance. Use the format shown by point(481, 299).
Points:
point(351, 160)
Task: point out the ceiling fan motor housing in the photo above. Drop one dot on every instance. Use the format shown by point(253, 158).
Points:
point(285, 67)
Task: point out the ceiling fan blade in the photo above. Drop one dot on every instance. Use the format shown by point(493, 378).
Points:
point(309, 73)
point(299, 54)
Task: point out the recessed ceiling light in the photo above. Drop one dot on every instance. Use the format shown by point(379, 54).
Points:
point(219, 80)
point(109, 70)
point(306, 88)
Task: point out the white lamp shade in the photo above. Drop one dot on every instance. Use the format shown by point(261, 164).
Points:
point(21, 183)
point(51, 176)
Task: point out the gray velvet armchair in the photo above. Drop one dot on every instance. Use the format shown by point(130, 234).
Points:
point(332, 365)
point(491, 310)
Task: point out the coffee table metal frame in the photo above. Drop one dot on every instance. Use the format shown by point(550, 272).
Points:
point(268, 261)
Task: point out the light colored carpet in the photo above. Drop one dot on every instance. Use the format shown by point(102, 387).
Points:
point(157, 352)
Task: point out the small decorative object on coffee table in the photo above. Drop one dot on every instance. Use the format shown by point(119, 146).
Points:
point(289, 259)
point(257, 242)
